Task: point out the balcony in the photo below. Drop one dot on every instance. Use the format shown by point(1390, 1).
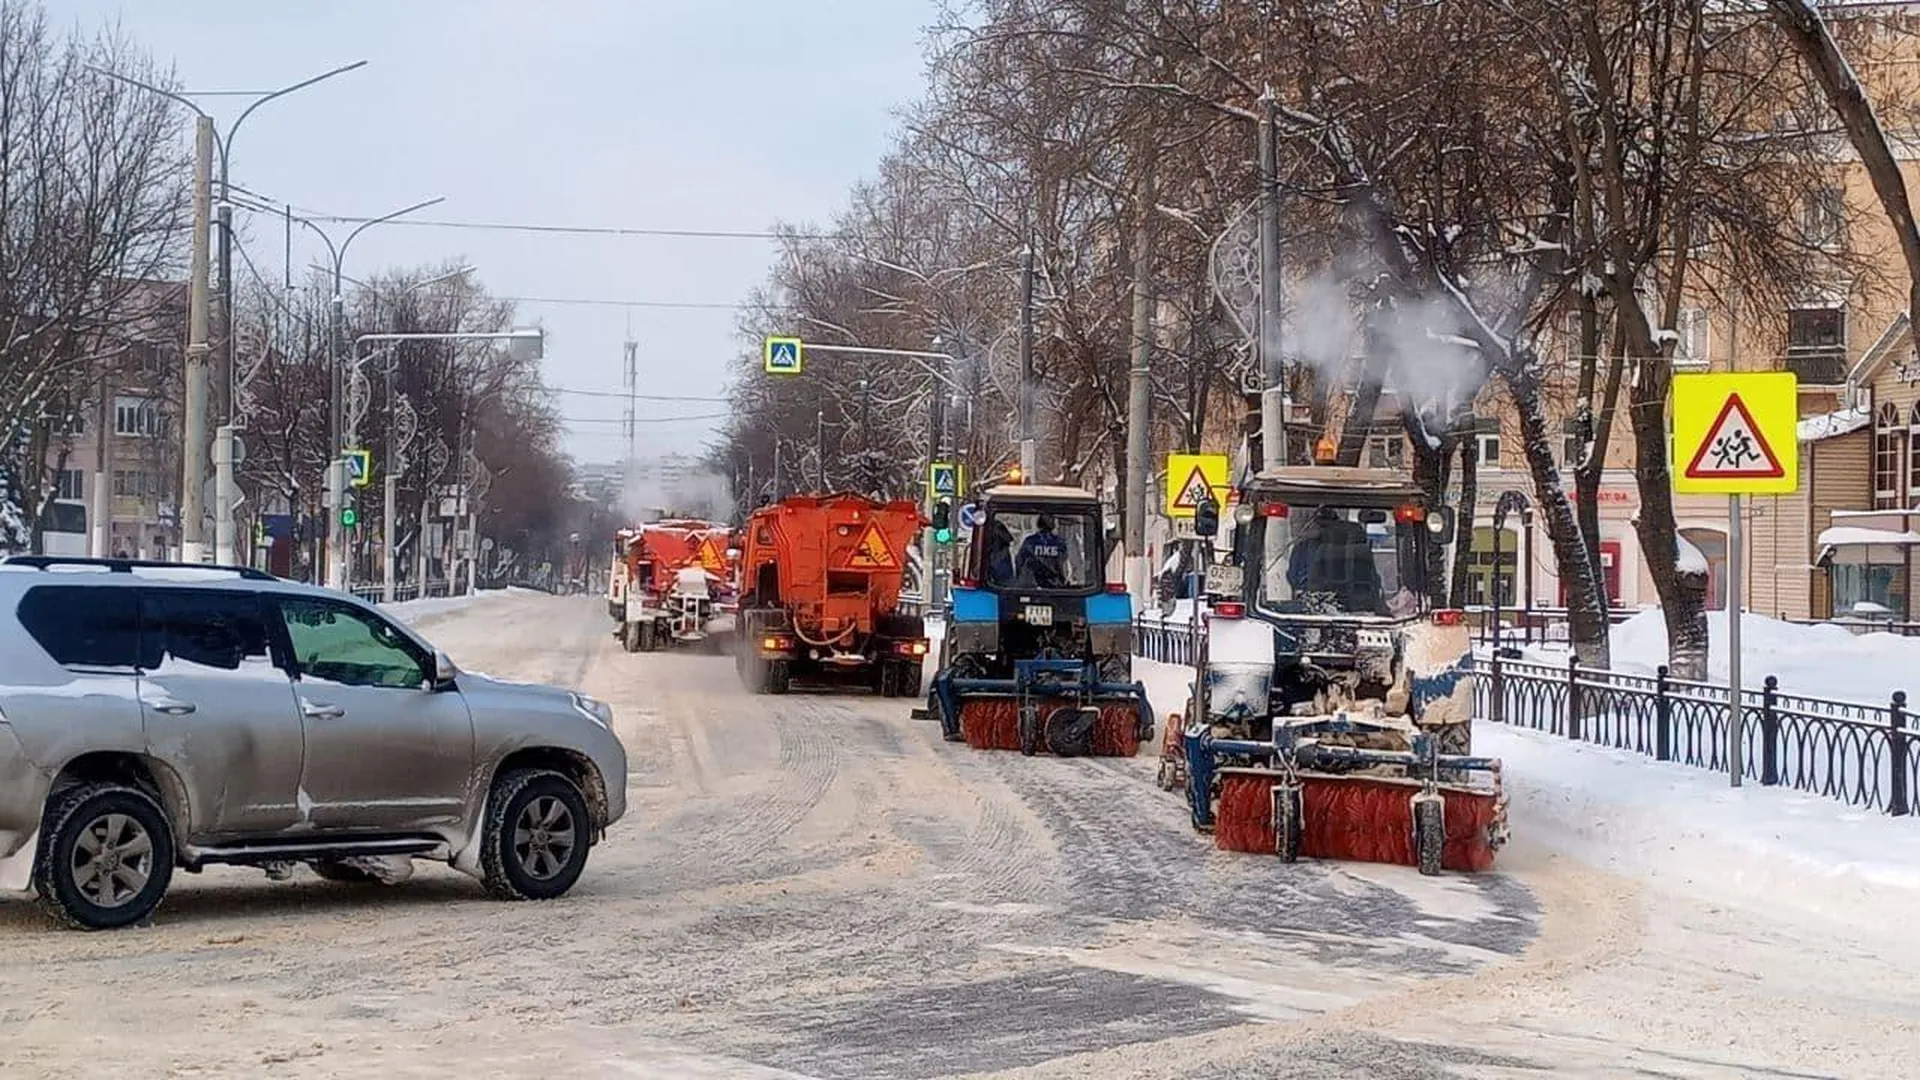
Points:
point(1819, 365)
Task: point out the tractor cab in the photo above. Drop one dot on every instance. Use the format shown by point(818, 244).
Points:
point(1038, 539)
point(1333, 544)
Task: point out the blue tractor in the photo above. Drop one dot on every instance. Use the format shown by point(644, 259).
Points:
point(1038, 654)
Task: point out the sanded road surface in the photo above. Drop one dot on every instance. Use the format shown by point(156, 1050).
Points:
point(817, 886)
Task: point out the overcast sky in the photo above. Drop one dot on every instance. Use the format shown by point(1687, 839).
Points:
point(703, 114)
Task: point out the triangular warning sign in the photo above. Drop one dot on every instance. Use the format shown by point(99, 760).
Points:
point(711, 560)
point(873, 551)
point(1734, 448)
point(1195, 491)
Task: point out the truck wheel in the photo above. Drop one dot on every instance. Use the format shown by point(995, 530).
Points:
point(778, 677)
point(631, 641)
point(106, 857)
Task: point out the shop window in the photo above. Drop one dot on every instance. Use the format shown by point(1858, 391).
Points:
point(1865, 583)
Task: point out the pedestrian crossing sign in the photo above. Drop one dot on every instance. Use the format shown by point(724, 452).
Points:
point(359, 467)
point(783, 355)
point(946, 479)
point(1193, 479)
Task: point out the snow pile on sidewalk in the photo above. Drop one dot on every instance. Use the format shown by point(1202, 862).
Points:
point(428, 607)
point(1815, 661)
point(1687, 829)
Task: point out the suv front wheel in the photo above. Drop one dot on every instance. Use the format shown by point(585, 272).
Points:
point(106, 857)
point(537, 835)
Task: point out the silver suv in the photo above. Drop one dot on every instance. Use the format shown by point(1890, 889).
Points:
point(155, 715)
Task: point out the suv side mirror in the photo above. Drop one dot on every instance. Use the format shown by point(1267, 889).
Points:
point(443, 670)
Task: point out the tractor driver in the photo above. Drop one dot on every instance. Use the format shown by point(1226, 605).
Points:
point(1334, 557)
point(1043, 556)
point(999, 553)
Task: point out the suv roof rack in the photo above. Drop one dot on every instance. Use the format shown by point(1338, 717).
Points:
point(128, 566)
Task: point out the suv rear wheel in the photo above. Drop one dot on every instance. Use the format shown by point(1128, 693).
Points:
point(536, 838)
point(106, 857)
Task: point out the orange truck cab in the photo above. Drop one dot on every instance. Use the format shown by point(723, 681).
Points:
point(672, 582)
point(820, 579)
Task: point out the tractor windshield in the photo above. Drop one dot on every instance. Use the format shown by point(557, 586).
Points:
point(1341, 560)
point(1043, 549)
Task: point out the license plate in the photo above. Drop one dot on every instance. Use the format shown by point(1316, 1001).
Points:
point(1039, 615)
point(1223, 580)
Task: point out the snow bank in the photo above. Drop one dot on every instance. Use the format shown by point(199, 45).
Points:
point(428, 607)
point(1815, 661)
point(1686, 829)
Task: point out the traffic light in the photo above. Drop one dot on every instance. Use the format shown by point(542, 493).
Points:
point(349, 516)
point(1206, 517)
point(943, 521)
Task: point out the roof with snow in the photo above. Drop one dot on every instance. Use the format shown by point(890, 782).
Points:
point(1885, 348)
point(1830, 425)
point(1855, 535)
point(1320, 481)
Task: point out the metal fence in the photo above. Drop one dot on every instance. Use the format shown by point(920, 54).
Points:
point(1864, 755)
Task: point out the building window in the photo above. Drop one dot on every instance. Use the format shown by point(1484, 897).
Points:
point(1386, 452)
point(1823, 217)
point(1817, 344)
point(1486, 436)
point(1913, 450)
point(1889, 439)
point(1857, 584)
point(1693, 351)
point(131, 484)
point(70, 484)
point(136, 417)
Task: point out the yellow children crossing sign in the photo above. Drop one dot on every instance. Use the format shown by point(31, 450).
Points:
point(1736, 433)
point(1191, 479)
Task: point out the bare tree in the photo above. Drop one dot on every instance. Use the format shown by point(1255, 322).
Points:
point(92, 197)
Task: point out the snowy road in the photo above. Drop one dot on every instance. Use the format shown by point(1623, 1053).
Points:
point(817, 886)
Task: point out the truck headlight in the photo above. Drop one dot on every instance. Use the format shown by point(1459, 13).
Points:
point(594, 709)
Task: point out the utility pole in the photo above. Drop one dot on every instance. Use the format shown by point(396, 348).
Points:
point(1273, 431)
point(1140, 394)
point(820, 445)
point(936, 438)
point(193, 429)
point(1028, 451)
point(390, 490)
point(866, 437)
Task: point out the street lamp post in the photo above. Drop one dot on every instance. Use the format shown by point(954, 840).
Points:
point(222, 451)
point(515, 338)
point(336, 326)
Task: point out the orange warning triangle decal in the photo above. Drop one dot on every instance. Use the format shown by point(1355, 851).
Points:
point(710, 558)
point(872, 552)
point(1195, 491)
point(1734, 448)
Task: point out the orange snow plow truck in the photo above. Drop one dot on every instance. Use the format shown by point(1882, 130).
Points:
point(820, 580)
point(671, 583)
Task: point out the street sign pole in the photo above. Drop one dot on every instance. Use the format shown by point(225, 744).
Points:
point(1736, 727)
point(1736, 433)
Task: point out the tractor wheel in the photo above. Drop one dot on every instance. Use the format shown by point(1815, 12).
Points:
point(891, 685)
point(1429, 831)
point(1287, 821)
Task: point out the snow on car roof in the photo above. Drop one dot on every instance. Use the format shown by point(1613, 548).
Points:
point(1041, 492)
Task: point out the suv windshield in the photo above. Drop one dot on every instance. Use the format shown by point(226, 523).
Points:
point(1042, 549)
point(1341, 560)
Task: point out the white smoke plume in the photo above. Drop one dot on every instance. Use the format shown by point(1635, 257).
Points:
point(1432, 364)
point(700, 494)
